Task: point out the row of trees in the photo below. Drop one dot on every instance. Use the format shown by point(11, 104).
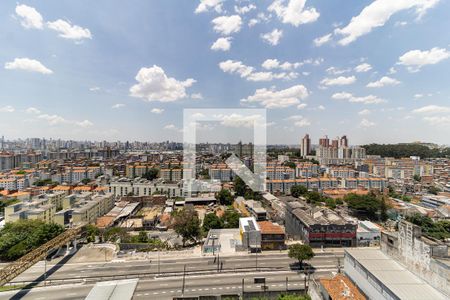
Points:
point(405, 150)
point(313, 197)
point(20, 237)
point(230, 219)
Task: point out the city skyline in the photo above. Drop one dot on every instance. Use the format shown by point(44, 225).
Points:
point(317, 67)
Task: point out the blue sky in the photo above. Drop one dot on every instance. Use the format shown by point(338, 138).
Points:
point(377, 71)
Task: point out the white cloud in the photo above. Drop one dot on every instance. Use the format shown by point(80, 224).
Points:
point(273, 37)
point(302, 106)
point(418, 96)
point(322, 40)
point(321, 107)
point(172, 127)
point(118, 105)
point(94, 89)
point(432, 109)
point(235, 67)
point(197, 96)
point(253, 22)
point(384, 81)
point(366, 123)
point(32, 110)
point(376, 14)
point(7, 109)
point(244, 9)
point(30, 18)
point(269, 76)
point(438, 120)
point(227, 24)
point(69, 31)
point(336, 71)
point(238, 120)
point(299, 121)
point(414, 60)
point(294, 12)
point(341, 80)
point(27, 64)
point(277, 99)
point(157, 111)
point(371, 99)
point(364, 112)
point(223, 44)
point(364, 67)
point(154, 85)
point(270, 64)
point(206, 5)
point(84, 124)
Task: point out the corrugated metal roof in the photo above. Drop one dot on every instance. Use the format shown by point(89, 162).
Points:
point(113, 290)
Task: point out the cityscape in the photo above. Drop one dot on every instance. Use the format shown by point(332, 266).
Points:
point(225, 149)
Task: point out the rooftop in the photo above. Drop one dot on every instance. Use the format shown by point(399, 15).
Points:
point(340, 287)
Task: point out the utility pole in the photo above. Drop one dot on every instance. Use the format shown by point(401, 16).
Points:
point(243, 284)
point(218, 259)
point(256, 260)
point(184, 279)
point(286, 284)
point(158, 262)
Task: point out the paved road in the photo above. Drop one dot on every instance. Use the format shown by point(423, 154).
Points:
point(167, 288)
point(173, 265)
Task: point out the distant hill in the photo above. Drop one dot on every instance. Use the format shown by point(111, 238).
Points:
point(406, 150)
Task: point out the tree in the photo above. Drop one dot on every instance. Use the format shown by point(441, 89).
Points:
point(212, 221)
point(417, 178)
point(151, 174)
point(367, 205)
point(230, 219)
point(187, 224)
point(224, 197)
point(239, 186)
point(433, 190)
point(91, 232)
point(383, 209)
point(20, 237)
point(298, 190)
point(294, 297)
point(330, 203)
point(313, 197)
point(300, 252)
point(289, 164)
point(142, 237)
point(85, 180)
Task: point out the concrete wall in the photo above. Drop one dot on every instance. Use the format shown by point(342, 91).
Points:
point(415, 254)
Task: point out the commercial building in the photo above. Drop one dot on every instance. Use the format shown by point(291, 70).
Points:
point(305, 147)
point(319, 226)
point(272, 236)
point(250, 234)
point(368, 234)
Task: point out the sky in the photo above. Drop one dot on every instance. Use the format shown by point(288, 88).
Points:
point(377, 71)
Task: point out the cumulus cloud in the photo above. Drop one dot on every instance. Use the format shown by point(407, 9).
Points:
point(249, 73)
point(302, 106)
point(7, 109)
point(32, 110)
point(58, 120)
point(294, 13)
point(299, 121)
point(157, 111)
point(238, 120)
point(364, 112)
point(118, 105)
point(222, 44)
point(69, 31)
point(341, 80)
point(197, 96)
point(206, 5)
point(432, 109)
point(154, 85)
point(376, 14)
point(322, 40)
point(384, 81)
point(29, 17)
point(414, 60)
point(235, 67)
point(244, 9)
point(366, 123)
point(364, 67)
point(27, 64)
point(273, 37)
point(370, 99)
point(94, 89)
point(273, 63)
point(226, 25)
point(437, 120)
point(270, 98)
point(336, 71)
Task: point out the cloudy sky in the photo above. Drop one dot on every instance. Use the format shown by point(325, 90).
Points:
point(377, 71)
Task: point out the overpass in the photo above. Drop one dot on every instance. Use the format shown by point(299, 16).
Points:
point(15, 268)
